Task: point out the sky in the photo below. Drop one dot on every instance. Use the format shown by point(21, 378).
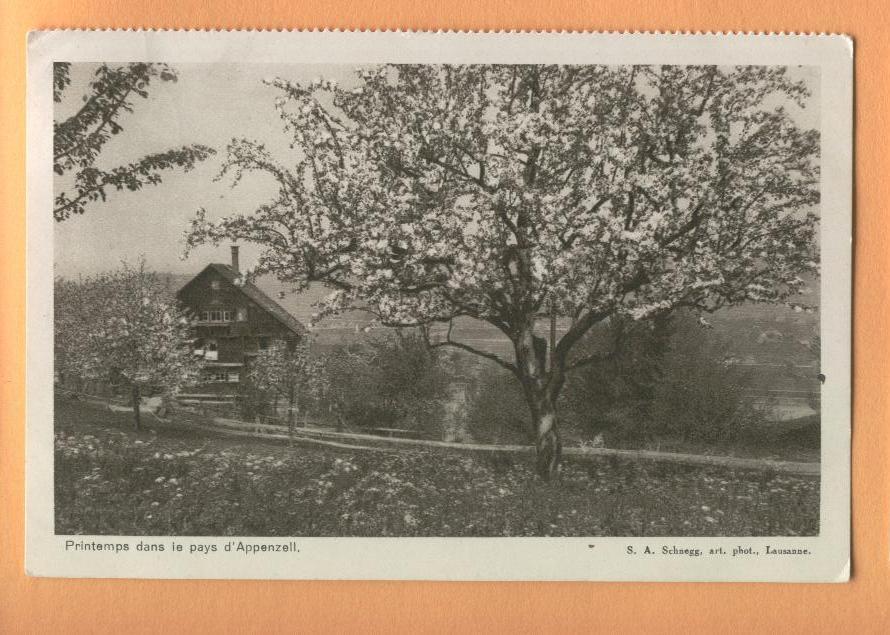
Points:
point(210, 104)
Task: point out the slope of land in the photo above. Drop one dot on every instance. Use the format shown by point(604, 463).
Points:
point(113, 481)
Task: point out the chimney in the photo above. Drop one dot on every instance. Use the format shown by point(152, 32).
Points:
point(235, 259)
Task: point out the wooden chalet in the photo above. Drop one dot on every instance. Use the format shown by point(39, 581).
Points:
point(232, 320)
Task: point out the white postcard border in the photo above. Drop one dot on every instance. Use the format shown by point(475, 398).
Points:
point(450, 558)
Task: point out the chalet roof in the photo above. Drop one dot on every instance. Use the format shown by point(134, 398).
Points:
point(257, 295)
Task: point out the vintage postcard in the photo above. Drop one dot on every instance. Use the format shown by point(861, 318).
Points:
point(445, 306)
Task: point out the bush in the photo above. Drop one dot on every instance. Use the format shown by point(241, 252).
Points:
point(666, 379)
point(250, 401)
point(616, 395)
point(394, 380)
point(497, 411)
point(701, 396)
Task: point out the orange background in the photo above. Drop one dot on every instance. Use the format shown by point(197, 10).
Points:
point(862, 606)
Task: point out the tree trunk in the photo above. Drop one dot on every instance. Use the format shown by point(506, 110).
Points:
point(297, 407)
point(541, 382)
point(290, 411)
point(548, 445)
point(338, 415)
point(137, 415)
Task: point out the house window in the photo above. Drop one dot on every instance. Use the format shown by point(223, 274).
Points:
point(217, 315)
point(214, 284)
point(211, 349)
point(241, 314)
point(233, 377)
point(215, 375)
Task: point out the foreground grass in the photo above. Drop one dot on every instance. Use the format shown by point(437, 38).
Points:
point(109, 480)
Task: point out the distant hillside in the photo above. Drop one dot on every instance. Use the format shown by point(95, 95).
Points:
point(760, 335)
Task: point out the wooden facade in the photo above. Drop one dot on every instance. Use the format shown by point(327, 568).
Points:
point(232, 320)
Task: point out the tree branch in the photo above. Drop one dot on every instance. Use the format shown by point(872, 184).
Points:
point(597, 358)
point(104, 121)
point(475, 351)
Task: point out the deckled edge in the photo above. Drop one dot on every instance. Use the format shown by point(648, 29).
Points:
point(679, 32)
point(33, 35)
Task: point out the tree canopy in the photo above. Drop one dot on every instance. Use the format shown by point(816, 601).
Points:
point(505, 193)
point(122, 326)
point(79, 139)
point(287, 370)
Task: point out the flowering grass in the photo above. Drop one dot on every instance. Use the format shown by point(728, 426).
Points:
point(111, 480)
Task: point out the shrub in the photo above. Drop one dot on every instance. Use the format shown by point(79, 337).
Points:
point(394, 380)
point(668, 379)
point(252, 401)
point(701, 396)
point(496, 410)
point(616, 394)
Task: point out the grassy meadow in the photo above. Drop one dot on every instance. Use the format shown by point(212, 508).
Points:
point(170, 480)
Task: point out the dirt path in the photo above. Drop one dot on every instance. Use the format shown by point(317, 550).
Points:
point(373, 443)
point(336, 439)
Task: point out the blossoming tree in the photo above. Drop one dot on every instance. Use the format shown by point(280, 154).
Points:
point(123, 326)
point(511, 193)
point(285, 370)
point(79, 139)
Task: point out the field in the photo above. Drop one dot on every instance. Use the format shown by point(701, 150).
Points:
point(170, 480)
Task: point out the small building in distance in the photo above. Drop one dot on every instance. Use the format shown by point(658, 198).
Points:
point(232, 320)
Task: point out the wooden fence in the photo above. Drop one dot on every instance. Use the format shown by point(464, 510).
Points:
point(326, 437)
point(331, 438)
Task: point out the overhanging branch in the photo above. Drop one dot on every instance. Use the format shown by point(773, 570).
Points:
point(466, 347)
point(600, 358)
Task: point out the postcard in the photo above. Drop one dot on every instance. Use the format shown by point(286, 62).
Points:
point(439, 306)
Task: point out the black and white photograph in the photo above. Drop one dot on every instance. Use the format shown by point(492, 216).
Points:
point(381, 297)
